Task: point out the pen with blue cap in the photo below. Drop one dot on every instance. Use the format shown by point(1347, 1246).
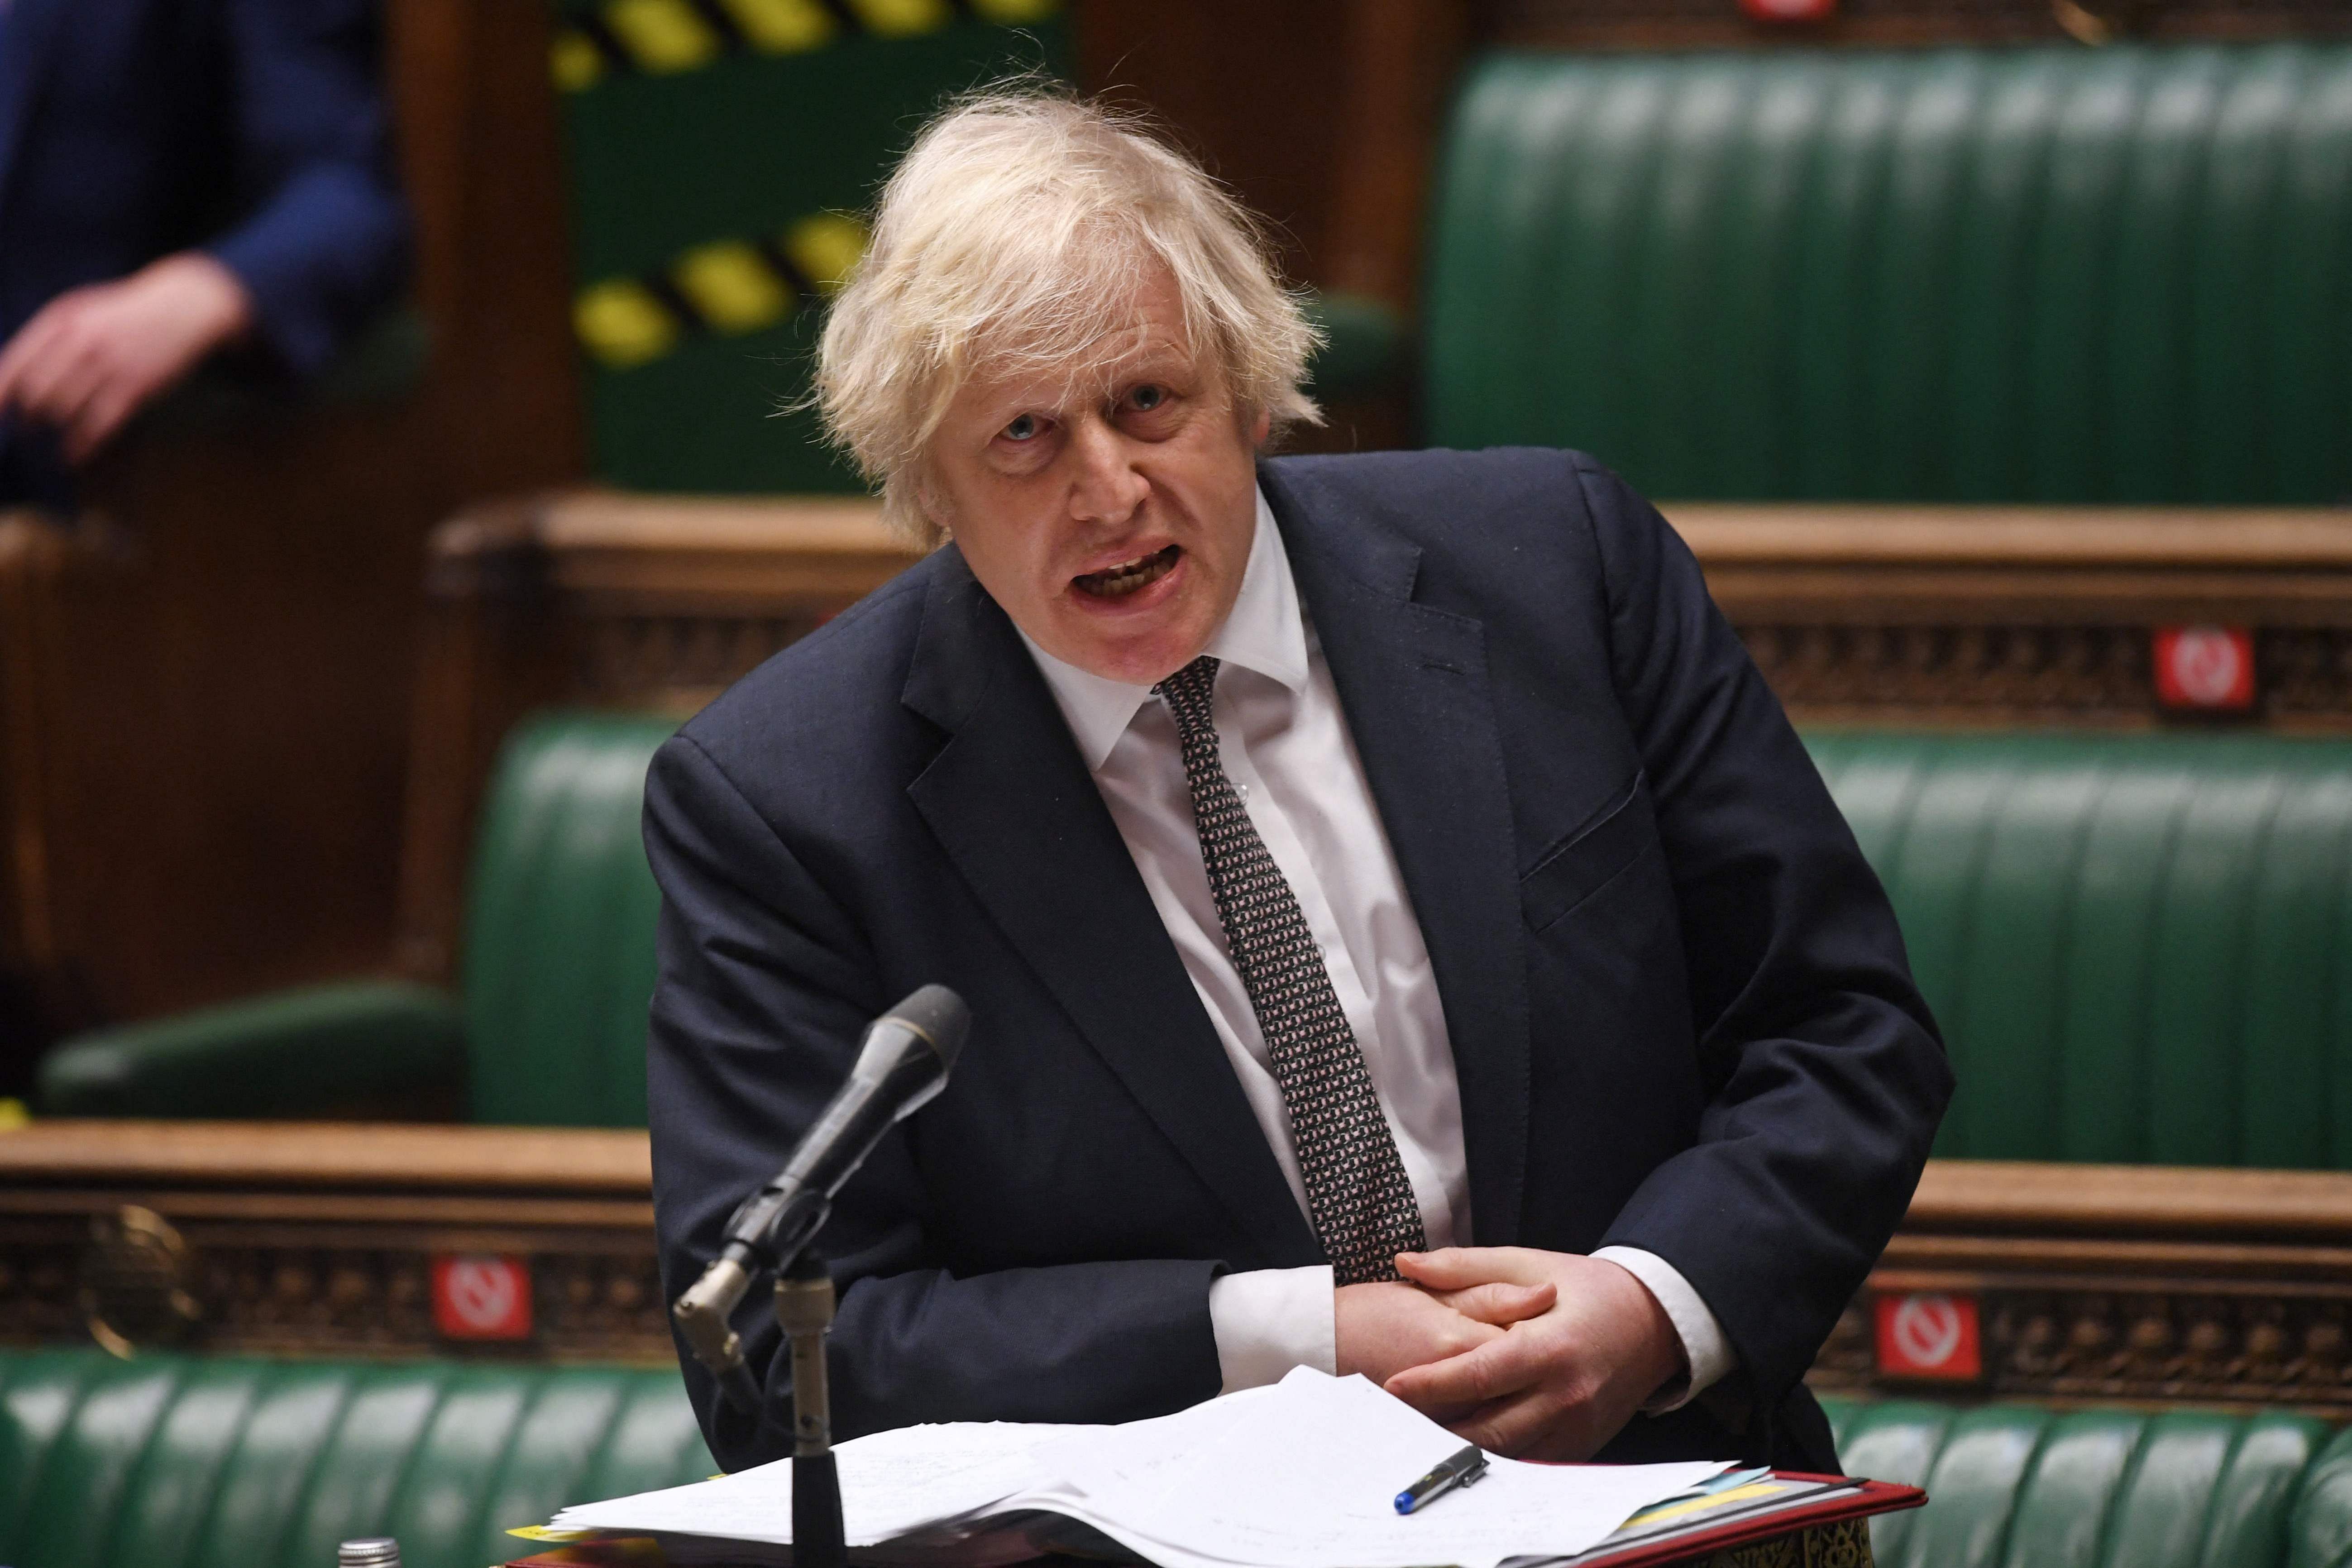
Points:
point(1462, 1469)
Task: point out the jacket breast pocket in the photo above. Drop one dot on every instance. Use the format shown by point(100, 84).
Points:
point(1576, 868)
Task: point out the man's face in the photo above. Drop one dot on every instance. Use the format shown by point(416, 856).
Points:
point(1111, 514)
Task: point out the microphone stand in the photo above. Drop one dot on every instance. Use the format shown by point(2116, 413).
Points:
point(902, 1061)
point(805, 1303)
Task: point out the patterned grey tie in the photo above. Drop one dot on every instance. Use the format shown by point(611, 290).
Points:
point(1356, 1186)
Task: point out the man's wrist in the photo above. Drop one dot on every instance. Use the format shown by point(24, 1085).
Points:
point(1707, 1353)
point(1268, 1320)
point(216, 295)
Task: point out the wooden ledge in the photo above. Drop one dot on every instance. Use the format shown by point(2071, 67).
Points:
point(1980, 1197)
point(699, 551)
point(2182, 538)
point(2018, 1198)
point(354, 1157)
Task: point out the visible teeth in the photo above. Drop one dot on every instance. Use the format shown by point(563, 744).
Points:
point(1112, 582)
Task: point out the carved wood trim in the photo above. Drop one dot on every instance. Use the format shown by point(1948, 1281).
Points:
point(2003, 615)
point(2092, 1283)
point(319, 1239)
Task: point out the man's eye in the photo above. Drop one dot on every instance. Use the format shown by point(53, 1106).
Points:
point(1024, 429)
point(1147, 398)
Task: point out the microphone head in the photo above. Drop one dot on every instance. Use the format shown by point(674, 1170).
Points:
point(940, 1016)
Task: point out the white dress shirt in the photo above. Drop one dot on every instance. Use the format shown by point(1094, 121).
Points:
point(1286, 748)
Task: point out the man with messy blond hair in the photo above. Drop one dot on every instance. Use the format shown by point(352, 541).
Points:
point(1402, 933)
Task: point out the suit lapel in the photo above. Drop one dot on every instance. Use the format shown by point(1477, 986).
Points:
point(1414, 682)
point(1010, 799)
point(28, 28)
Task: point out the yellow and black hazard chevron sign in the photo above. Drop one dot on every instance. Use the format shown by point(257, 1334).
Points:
point(665, 38)
point(725, 287)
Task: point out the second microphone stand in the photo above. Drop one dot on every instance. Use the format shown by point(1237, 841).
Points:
point(805, 1303)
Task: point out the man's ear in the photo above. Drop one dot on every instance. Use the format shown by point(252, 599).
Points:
point(933, 506)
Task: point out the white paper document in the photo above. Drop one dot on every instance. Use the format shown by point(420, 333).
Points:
point(1302, 1474)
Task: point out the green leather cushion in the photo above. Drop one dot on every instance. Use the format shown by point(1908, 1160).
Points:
point(2323, 1514)
point(196, 1462)
point(2138, 945)
point(2013, 1486)
point(1965, 274)
point(353, 1046)
point(560, 925)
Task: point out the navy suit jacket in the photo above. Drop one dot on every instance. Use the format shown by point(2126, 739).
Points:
point(255, 129)
point(1677, 999)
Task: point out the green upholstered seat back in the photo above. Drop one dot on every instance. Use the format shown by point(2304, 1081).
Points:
point(199, 1462)
point(2014, 1486)
point(715, 149)
point(1967, 274)
point(2323, 1514)
point(560, 925)
point(2139, 946)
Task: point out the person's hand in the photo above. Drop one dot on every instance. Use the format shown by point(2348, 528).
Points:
point(1553, 1387)
point(93, 356)
point(1382, 1329)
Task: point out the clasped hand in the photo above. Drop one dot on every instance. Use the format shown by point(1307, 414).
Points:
point(1539, 1356)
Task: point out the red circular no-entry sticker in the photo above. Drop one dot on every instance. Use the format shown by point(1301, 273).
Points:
point(1925, 1334)
point(2205, 667)
point(481, 1296)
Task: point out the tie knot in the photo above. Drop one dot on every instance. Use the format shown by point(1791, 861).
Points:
point(1190, 693)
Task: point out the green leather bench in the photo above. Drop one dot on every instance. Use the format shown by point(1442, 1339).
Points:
point(559, 967)
point(196, 1462)
point(2140, 948)
point(2016, 1485)
point(1987, 274)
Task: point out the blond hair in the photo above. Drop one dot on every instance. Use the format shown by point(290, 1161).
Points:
point(1015, 233)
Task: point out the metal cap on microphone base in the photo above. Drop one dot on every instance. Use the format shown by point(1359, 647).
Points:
point(805, 1303)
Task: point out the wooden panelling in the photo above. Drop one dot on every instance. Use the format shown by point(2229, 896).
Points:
point(603, 600)
point(225, 721)
point(67, 613)
point(2026, 615)
point(2123, 1284)
point(2088, 1282)
point(322, 1239)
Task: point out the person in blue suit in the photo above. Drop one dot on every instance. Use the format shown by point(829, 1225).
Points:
point(179, 178)
point(1403, 935)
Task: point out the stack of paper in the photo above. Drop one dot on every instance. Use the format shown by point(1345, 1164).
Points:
point(1302, 1474)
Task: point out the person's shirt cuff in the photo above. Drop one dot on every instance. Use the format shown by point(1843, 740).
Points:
point(1268, 1320)
point(1708, 1352)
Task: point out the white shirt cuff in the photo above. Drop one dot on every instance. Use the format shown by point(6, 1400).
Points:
point(1268, 1320)
point(1704, 1347)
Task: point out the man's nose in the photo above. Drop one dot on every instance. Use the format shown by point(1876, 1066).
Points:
point(1105, 486)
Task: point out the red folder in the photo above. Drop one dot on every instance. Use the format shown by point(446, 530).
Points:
point(1704, 1537)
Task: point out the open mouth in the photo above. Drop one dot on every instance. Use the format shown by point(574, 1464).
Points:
point(1129, 576)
